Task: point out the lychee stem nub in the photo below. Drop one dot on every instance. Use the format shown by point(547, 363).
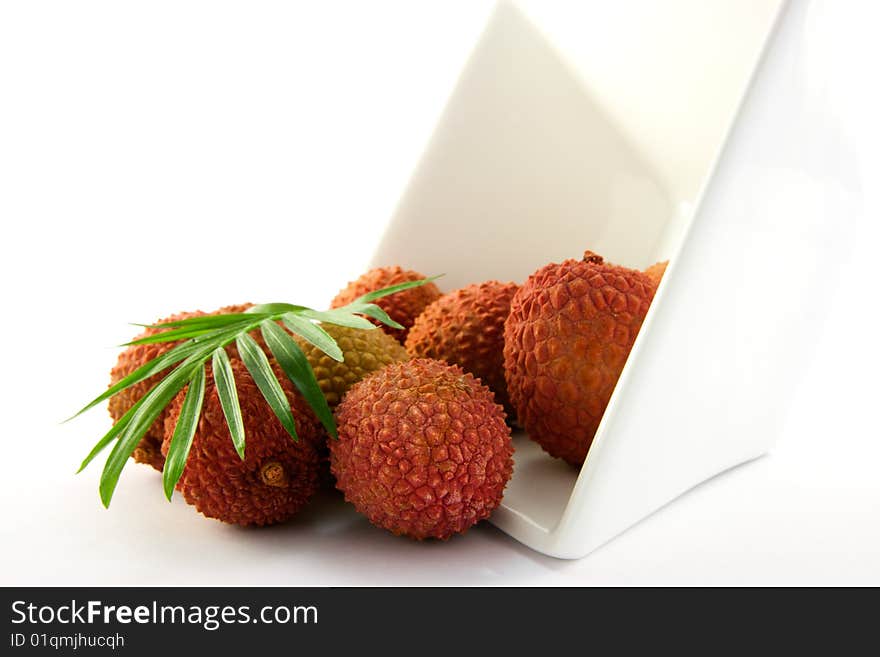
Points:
point(273, 474)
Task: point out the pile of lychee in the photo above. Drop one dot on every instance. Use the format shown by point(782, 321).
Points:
point(423, 413)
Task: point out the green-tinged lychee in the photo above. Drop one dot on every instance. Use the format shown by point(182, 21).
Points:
point(364, 352)
point(570, 330)
point(277, 476)
point(403, 307)
point(466, 328)
point(423, 449)
point(149, 449)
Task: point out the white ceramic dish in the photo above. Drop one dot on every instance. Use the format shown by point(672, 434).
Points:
point(559, 138)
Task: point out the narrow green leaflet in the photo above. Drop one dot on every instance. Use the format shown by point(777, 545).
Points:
point(374, 311)
point(340, 318)
point(184, 430)
point(295, 365)
point(314, 334)
point(171, 335)
point(212, 321)
point(400, 287)
point(224, 381)
point(200, 334)
point(153, 404)
point(274, 309)
point(258, 365)
point(362, 305)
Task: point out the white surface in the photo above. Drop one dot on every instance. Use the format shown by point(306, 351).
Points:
point(212, 122)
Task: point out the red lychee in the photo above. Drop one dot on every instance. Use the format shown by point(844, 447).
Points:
point(423, 449)
point(655, 272)
point(277, 476)
point(403, 307)
point(466, 328)
point(566, 340)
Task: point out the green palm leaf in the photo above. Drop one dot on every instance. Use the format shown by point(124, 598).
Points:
point(171, 335)
point(206, 337)
point(393, 289)
point(224, 382)
point(184, 430)
point(374, 311)
point(153, 404)
point(212, 321)
point(295, 365)
point(275, 309)
point(313, 334)
point(258, 365)
point(340, 318)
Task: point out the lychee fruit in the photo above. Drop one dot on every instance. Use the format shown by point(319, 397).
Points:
point(364, 352)
point(566, 340)
point(403, 307)
point(423, 449)
point(466, 328)
point(655, 272)
point(149, 449)
point(278, 475)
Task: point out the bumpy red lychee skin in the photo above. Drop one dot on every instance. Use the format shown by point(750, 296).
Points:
point(423, 449)
point(364, 351)
point(149, 449)
point(655, 272)
point(466, 328)
point(278, 475)
point(570, 330)
point(402, 307)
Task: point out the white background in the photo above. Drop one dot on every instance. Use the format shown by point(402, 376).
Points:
point(176, 155)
